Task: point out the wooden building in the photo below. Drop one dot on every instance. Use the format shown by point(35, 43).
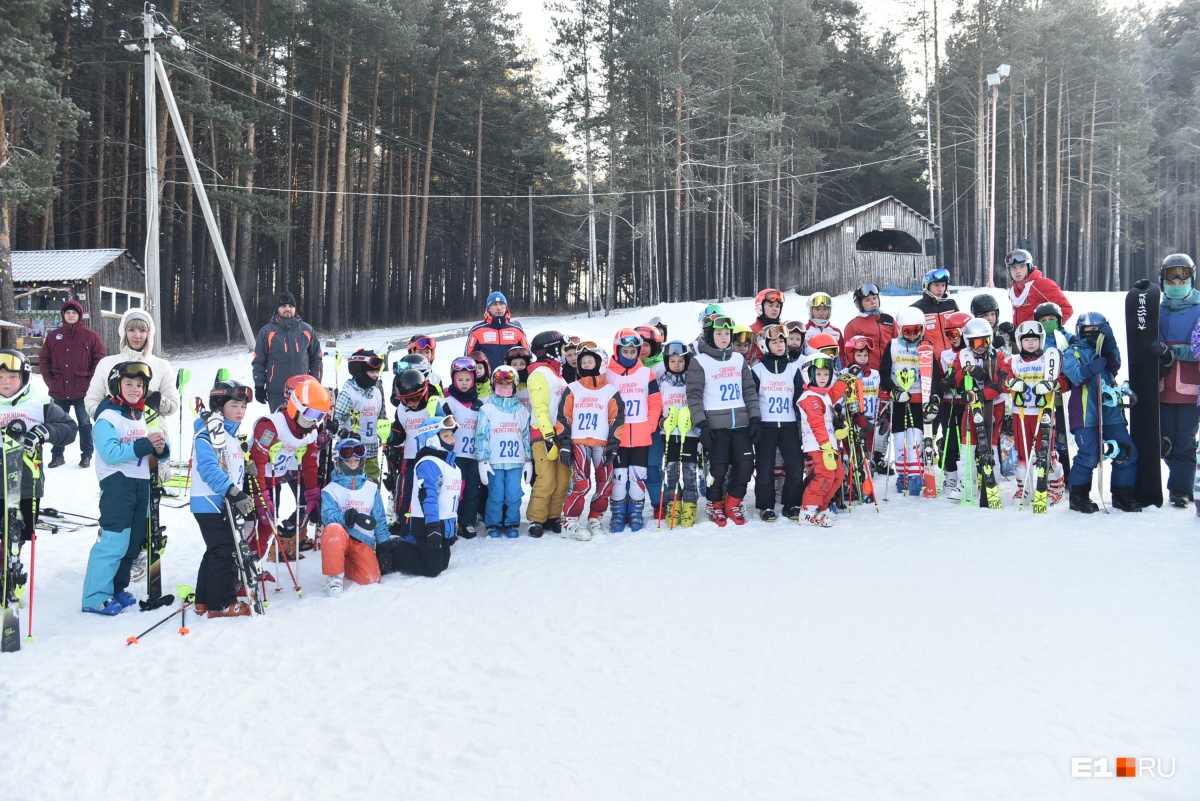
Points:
point(884, 242)
point(106, 282)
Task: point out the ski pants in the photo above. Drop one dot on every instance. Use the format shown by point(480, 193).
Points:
point(86, 446)
point(405, 502)
point(824, 483)
point(342, 554)
point(907, 433)
point(950, 418)
point(122, 533)
point(784, 439)
point(584, 457)
point(504, 498)
point(682, 457)
point(731, 453)
point(469, 503)
point(1087, 458)
point(401, 556)
point(654, 468)
point(551, 481)
point(629, 476)
point(1179, 422)
point(216, 581)
point(1025, 440)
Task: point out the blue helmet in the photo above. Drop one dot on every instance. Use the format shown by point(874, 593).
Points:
point(348, 448)
point(427, 434)
point(711, 310)
point(1090, 319)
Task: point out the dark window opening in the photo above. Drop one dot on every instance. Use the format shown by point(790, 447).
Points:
point(888, 242)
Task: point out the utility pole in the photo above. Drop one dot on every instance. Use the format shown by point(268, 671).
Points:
point(532, 301)
point(150, 259)
point(994, 80)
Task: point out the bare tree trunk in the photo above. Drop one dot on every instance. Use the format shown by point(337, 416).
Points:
point(422, 232)
point(479, 190)
point(367, 245)
point(339, 200)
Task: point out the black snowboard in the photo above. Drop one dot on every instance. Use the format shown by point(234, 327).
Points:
point(1141, 331)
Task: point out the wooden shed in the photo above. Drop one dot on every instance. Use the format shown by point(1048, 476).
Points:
point(884, 242)
point(106, 282)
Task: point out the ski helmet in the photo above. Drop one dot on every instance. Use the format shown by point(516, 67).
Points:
point(361, 362)
point(860, 342)
point(676, 348)
point(411, 386)
point(1029, 328)
point(652, 338)
point(479, 358)
point(224, 391)
point(463, 364)
point(1174, 267)
point(310, 403)
point(954, 322)
point(711, 324)
point(819, 300)
point(423, 342)
point(743, 335)
point(128, 370)
point(350, 448)
point(519, 352)
point(413, 361)
point(936, 275)
point(815, 361)
point(589, 351)
point(548, 345)
point(978, 335)
point(505, 378)
point(429, 434)
point(711, 310)
point(768, 295)
point(1019, 258)
point(15, 362)
point(862, 292)
point(794, 327)
point(823, 342)
point(983, 303)
point(1048, 309)
point(770, 333)
point(658, 323)
point(290, 385)
point(910, 323)
point(1090, 325)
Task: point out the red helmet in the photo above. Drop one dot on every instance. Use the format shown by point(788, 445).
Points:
point(769, 294)
point(860, 342)
point(821, 341)
point(958, 319)
point(627, 338)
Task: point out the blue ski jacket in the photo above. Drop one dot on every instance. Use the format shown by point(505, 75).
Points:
point(332, 513)
point(1081, 366)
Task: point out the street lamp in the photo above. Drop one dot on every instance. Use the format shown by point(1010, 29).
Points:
point(993, 81)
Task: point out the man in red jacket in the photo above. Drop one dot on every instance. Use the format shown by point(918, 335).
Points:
point(1029, 288)
point(67, 362)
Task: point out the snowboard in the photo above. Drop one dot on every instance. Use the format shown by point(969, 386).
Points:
point(1141, 332)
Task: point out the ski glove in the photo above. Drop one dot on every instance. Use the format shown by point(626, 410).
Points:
point(828, 456)
point(312, 502)
point(980, 374)
point(1097, 366)
point(260, 394)
point(706, 440)
point(1015, 385)
point(1043, 387)
point(903, 397)
point(610, 451)
point(931, 411)
point(242, 503)
point(265, 510)
point(527, 473)
point(154, 400)
point(435, 535)
point(755, 431)
point(485, 470)
point(564, 453)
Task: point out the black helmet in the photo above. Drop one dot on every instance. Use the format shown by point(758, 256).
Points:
point(1048, 309)
point(594, 353)
point(862, 291)
point(548, 345)
point(224, 391)
point(410, 385)
point(983, 303)
point(1178, 260)
point(15, 362)
point(128, 370)
point(413, 361)
point(361, 362)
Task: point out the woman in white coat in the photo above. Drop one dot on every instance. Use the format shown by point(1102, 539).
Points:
point(137, 344)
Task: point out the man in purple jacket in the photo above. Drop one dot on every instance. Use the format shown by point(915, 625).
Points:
point(68, 360)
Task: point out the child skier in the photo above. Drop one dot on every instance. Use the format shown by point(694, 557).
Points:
point(551, 477)
point(1031, 387)
point(502, 446)
point(463, 404)
point(779, 386)
point(816, 408)
point(519, 358)
point(652, 357)
point(952, 407)
point(871, 323)
point(899, 371)
point(360, 405)
point(989, 371)
point(589, 428)
point(795, 339)
point(743, 342)
point(820, 310)
point(483, 374)
point(433, 510)
point(355, 522)
point(123, 444)
point(643, 410)
point(1090, 364)
point(681, 492)
point(861, 351)
point(724, 406)
point(413, 409)
point(768, 310)
point(218, 474)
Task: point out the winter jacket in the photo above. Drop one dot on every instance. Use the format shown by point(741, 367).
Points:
point(876, 326)
point(546, 388)
point(1035, 290)
point(739, 416)
point(69, 356)
point(35, 408)
point(614, 414)
point(428, 473)
point(936, 311)
point(1081, 369)
point(494, 337)
point(162, 378)
point(123, 467)
point(351, 412)
point(208, 494)
point(763, 371)
point(332, 513)
point(643, 403)
point(1177, 322)
point(285, 348)
point(485, 447)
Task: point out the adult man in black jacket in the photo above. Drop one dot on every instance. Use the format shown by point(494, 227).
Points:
point(287, 346)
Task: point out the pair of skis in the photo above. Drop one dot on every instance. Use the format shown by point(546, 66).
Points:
point(985, 457)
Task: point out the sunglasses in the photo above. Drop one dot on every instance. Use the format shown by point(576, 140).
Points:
point(1016, 258)
point(822, 302)
point(12, 362)
point(868, 289)
point(721, 321)
point(422, 343)
point(358, 451)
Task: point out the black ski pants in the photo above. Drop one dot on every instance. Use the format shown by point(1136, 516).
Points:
point(216, 582)
point(785, 439)
point(400, 556)
point(731, 448)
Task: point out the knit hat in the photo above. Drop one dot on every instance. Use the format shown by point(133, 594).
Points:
point(286, 298)
point(72, 305)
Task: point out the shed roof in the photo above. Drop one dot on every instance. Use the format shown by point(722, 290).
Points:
point(845, 215)
point(61, 265)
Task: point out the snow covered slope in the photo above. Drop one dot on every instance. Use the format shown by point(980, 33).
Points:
point(925, 652)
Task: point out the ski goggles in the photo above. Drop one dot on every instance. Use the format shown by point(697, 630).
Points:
point(311, 414)
point(12, 362)
point(979, 343)
point(462, 364)
point(504, 375)
point(773, 332)
point(448, 423)
point(587, 344)
point(912, 331)
point(373, 362)
point(134, 370)
point(939, 274)
point(822, 301)
point(422, 343)
point(1016, 258)
point(571, 343)
point(675, 348)
point(794, 327)
point(773, 296)
point(239, 393)
point(743, 337)
point(358, 451)
point(860, 343)
point(953, 333)
point(1176, 273)
point(628, 341)
point(868, 289)
point(722, 321)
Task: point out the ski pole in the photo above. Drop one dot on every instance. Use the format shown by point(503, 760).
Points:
point(32, 567)
point(188, 596)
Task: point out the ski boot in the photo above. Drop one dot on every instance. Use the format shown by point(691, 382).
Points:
point(554, 526)
point(468, 532)
point(814, 517)
point(767, 515)
point(635, 516)
point(618, 516)
point(716, 513)
point(950, 486)
point(735, 511)
point(512, 532)
point(333, 585)
point(535, 530)
point(1180, 500)
point(595, 526)
point(1056, 488)
point(880, 465)
point(242, 609)
point(901, 483)
point(108, 608)
point(792, 513)
point(494, 533)
point(1080, 500)
point(572, 530)
point(1122, 498)
point(914, 486)
point(125, 599)
point(138, 571)
point(687, 514)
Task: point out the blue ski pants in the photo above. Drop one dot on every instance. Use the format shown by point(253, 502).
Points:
point(1124, 467)
point(1179, 422)
point(504, 498)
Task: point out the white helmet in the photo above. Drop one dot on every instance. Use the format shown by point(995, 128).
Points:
point(977, 329)
point(910, 317)
point(1029, 328)
point(814, 360)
